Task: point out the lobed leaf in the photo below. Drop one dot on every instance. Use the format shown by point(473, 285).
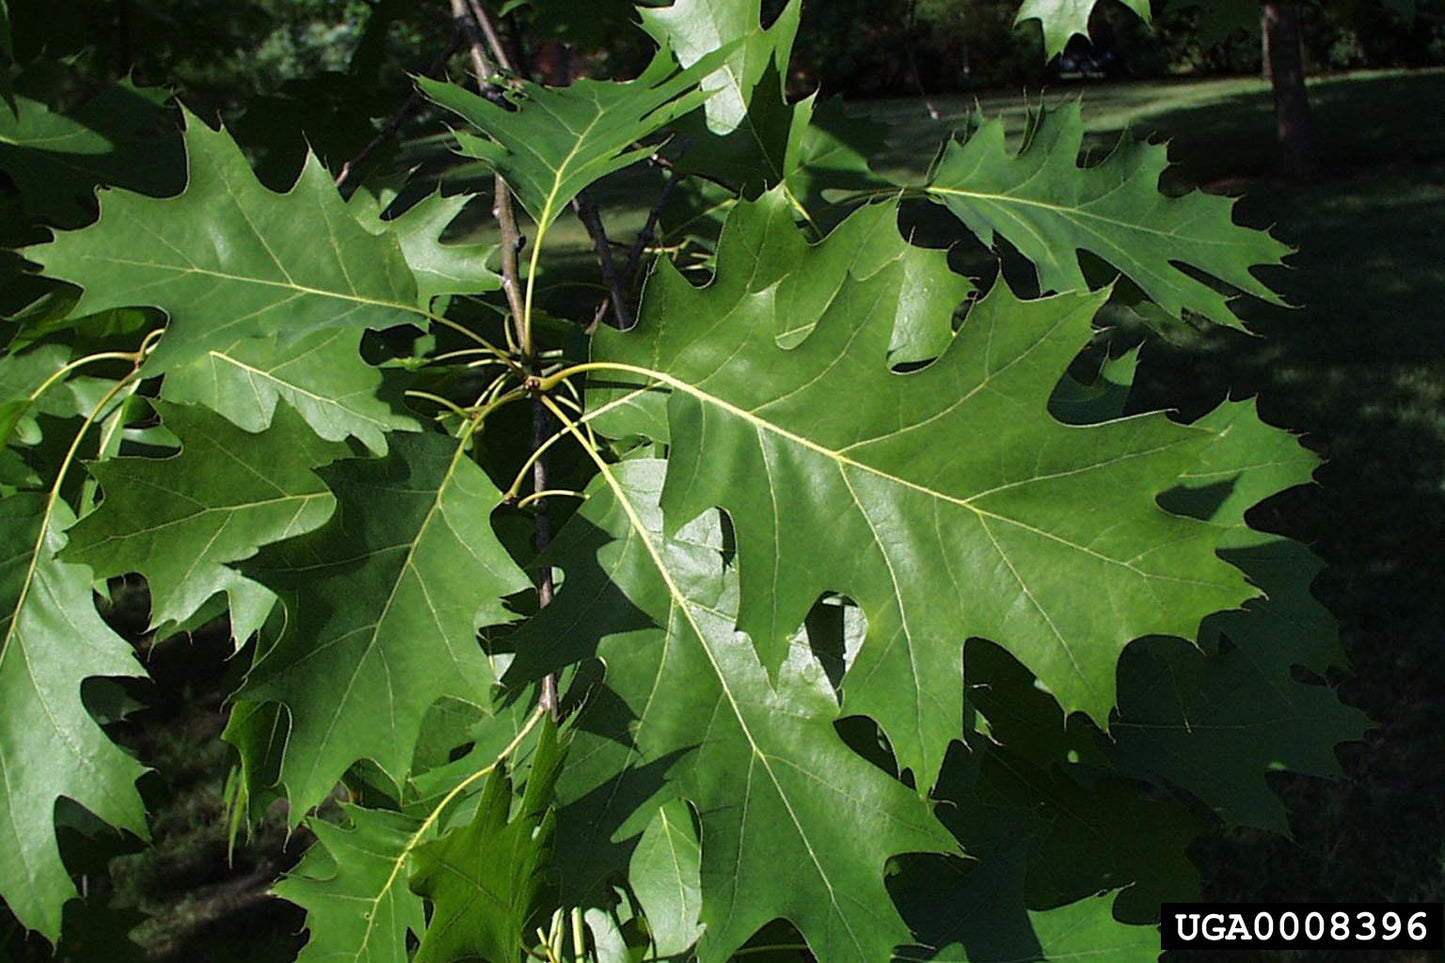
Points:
point(1062, 20)
point(383, 604)
point(688, 711)
point(229, 259)
point(352, 884)
point(1214, 720)
point(696, 29)
point(951, 505)
point(180, 521)
point(321, 375)
point(484, 878)
point(51, 641)
point(440, 269)
point(121, 137)
point(1050, 209)
point(559, 140)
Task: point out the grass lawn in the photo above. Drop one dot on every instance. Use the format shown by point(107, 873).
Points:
point(1359, 369)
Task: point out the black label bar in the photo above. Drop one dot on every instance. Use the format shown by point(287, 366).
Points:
point(1298, 926)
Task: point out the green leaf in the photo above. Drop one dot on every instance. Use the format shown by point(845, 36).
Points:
point(1215, 721)
point(1058, 869)
point(439, 268)
point(383, 604)
point(24, 372)
point(180, 520)
point(1064, 19)
point(948, 506)
point(352, 885)
point(561, 139)
point(666, 875)
point(688, 710)
point(50, 747)
point(1050, 208)
point(748, 137)
point(484, 878)
point(833, 155)
point(696, 29)
point(1214, 724)
point(321, 375)
point(807, 279)
point(229, 259)
point(121, 137)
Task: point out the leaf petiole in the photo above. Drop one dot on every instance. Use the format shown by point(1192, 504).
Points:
point(534, 496)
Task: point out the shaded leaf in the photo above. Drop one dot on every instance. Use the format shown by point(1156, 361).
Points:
point(484, 878)
point(180, 520)
point(1215, 721)
point(114, 139)
point(383, 604)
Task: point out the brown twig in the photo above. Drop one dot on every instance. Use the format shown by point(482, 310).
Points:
point(466, 22)
point(648, 234)
point(494, 40)
point(475, 20)
point(591, 218)
point(542, 522)
point(394, 123)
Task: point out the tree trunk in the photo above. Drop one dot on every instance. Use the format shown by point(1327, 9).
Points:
point(1285, 68)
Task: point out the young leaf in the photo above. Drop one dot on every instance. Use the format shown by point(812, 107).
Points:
point(1050, 208)
point(52, 640)
point(561, 139)
point(352, 884)
point(179, 521)
point(321, 375)
point(779, 794)
point(229, 259)
point(948, 506)
point(382, 604)
point(484, 878)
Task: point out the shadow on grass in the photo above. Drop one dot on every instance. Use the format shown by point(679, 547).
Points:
point(1360, 368)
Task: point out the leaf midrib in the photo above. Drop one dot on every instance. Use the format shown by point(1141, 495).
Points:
point(681, 603)
point(844, 461)
point(263, 282)
point(1065, 211)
